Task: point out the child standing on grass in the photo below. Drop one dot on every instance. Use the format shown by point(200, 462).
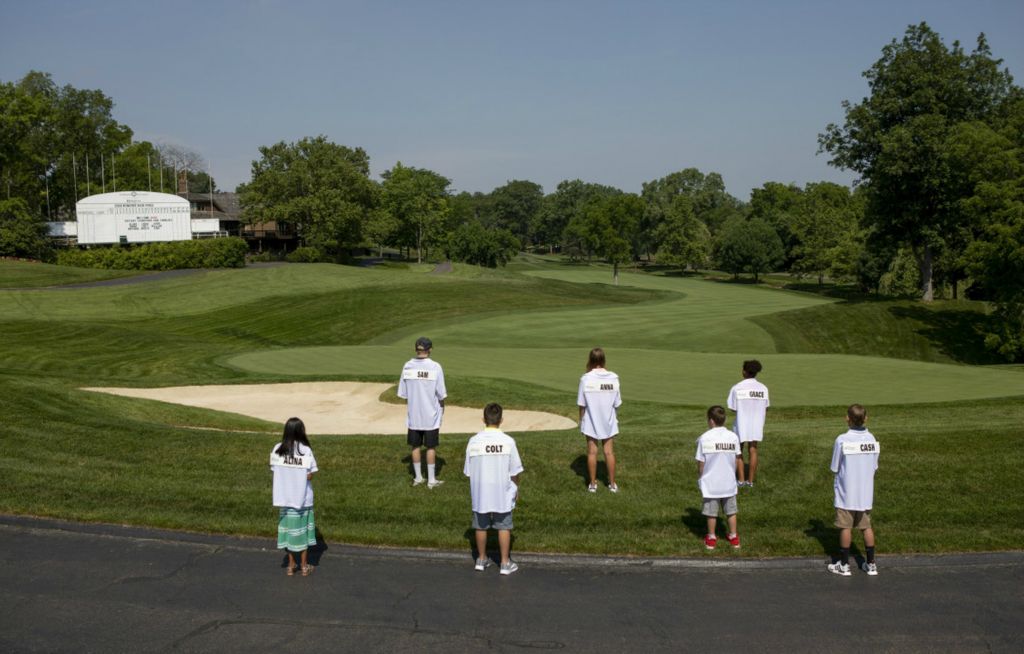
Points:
point(749, 399)
point(718, 449)
point(854, 461)
point(493, 467)
point(598, 399)
point(293, 465)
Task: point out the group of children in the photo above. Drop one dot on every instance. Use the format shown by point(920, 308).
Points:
point(493, 465)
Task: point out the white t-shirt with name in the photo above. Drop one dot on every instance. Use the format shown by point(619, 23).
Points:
point(854, 461)
point(749, 399)
point(291, 487)
point(491, 461)
point(600, 397)
point(718, 449)
point(422, 384)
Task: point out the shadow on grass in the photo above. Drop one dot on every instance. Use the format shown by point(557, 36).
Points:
point(957, 334)
point(440, 464)
point(828, 538)
point(579, 466)
point(493, 551)
point(696, 522)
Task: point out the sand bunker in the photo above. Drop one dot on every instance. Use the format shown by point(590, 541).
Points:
point(331, 407)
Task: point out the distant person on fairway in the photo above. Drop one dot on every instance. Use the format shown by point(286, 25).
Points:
point(493, 467)
point(749, 399)
point(854, 461)
point(718, 449)
point(293, 464)
point(598, 399)
point(422, 385)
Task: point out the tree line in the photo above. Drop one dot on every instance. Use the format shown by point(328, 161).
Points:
point(938, 207)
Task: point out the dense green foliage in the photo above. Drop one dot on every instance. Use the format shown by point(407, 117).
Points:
point(751, 246)
point(913, 141)
point(173, 255)
point(21, 233)
point(103, 458)
point(322, 188)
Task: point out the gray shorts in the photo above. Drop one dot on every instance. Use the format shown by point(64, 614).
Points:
point(713, 504)
point(501, 521)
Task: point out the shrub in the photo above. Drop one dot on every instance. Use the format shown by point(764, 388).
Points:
point(205, 253)
point(305, 254)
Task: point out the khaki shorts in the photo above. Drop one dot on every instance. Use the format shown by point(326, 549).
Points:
point(853, 519)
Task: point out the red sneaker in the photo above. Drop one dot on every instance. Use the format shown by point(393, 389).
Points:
point(710, 542)
point(735, 541)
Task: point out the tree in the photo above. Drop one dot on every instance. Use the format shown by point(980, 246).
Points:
point(418, 199)
point(514, 207)
point(47, 136)
point(710, 204)
point(473, 243)
point(21, 233)
point(824, 226)
point(609, 226)
point(559, 209)
point(322, 188)
point(897, 139)
point(782, 207)
point(684, 239)
point(995, 258)
point(747, 246)
point(380, 228)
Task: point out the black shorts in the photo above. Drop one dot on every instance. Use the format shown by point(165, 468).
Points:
point(421, 437)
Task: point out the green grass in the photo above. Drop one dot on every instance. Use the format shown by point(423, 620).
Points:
point(28, 274)
point(518, 338)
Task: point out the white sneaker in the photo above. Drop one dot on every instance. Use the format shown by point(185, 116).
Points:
point(869, 568)
point(592, 488)
point(839, 568)
point(418, 482)
point(509, 568)
point(482, 564)
point(434, 484)
point(614, 488)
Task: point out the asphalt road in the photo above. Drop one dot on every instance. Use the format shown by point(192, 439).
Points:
point(69, 587)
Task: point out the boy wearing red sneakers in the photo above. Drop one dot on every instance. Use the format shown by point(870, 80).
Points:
point(717, 451)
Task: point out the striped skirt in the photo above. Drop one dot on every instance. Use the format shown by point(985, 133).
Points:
point(296, 529)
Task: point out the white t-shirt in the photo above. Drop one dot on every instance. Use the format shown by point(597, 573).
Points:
point(854, 460)
point(491, 460)
point(422, 384)
point(291, 488)
point(599, 394)
point(749, 399)
point(718, 449)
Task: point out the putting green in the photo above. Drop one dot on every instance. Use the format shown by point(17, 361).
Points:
point(684, 350)
point(690, 378)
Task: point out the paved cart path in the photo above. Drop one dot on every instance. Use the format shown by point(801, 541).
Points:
point(70, 587)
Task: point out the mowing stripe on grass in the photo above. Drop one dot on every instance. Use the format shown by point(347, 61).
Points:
point(687, 378)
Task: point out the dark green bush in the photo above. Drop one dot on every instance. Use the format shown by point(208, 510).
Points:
point(305, 254)
point(204, 253)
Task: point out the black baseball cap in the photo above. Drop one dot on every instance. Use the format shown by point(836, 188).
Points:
point(423, 343)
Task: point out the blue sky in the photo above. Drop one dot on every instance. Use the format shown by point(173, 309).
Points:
point(616, 93)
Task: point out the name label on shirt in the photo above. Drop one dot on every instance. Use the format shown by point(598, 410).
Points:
point(861, 448)
point(291, 461)
point(749, 394)
point(601, 386)
point(488, 449)
point(419, 374)
point(719, 447)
